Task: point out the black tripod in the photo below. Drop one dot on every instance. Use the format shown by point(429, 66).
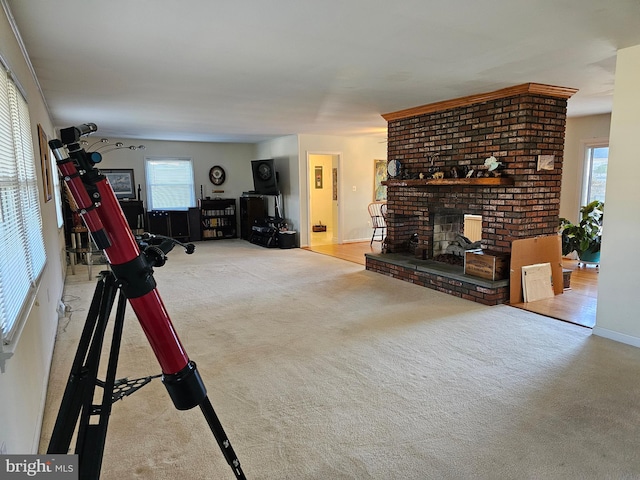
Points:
point(77, 402)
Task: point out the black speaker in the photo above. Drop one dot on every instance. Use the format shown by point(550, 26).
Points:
point(265, 180)
point(195, 232)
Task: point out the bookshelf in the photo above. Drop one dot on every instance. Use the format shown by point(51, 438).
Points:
point(218, 218)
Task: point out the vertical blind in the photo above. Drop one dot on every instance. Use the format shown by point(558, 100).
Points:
point(22, 252)
point(170, 183)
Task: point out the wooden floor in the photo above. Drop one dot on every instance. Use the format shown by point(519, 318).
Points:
point(353, 252)
point(576, 304)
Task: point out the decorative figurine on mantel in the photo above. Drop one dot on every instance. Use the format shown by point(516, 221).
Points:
point(493, 165)
point(432, 168)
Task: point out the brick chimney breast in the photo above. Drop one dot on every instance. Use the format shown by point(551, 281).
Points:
point(516, 125)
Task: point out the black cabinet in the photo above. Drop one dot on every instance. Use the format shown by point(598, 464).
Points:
point(174, 224)
point(218, 218)
point(134, 213)
point(158, 221)
point(179, 225)
point(253, 209)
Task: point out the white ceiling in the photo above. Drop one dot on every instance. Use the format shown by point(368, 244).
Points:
point(248, 70)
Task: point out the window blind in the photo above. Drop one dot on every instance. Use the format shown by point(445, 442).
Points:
point(169, 183)
point(22, 252)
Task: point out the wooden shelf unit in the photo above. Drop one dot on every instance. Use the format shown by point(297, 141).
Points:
point(218, 219)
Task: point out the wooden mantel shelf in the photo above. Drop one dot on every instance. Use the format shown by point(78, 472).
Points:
point(449, 181)
point(533, 88)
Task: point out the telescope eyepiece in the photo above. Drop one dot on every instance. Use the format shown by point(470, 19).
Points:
point(72, 134)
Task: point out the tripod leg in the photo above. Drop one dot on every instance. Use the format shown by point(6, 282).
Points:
point(221, 437)
point(92, 436)
point(79, 378)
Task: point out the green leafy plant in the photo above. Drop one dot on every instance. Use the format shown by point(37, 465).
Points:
point(585, 236)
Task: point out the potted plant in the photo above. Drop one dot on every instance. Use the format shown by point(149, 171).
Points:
point(584, 238)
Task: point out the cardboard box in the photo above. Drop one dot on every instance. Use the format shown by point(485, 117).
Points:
point(486, 264)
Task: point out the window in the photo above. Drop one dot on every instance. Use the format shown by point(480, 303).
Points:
point(169, 183)
point(22, 252)
point(57, 192)
point(595, 172)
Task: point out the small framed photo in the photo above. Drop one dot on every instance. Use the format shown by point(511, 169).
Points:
point(122, 182)
point(318, 175)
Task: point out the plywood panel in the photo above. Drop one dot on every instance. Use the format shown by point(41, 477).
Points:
point(473, 227)
point(528, 251)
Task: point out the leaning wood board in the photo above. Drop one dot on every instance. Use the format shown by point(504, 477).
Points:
point(529, 251)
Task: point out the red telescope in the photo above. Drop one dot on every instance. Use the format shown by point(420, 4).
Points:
point(132, 274)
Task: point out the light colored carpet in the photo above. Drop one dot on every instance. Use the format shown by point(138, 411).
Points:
point(319, 369)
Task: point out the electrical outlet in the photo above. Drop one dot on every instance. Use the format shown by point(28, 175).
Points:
point(354, 188)
point(62, 309)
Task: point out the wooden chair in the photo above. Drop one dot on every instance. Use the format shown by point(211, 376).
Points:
point(378, 213)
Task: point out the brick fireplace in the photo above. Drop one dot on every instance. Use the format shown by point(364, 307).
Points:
point(521, 126)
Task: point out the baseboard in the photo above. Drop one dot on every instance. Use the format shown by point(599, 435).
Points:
point(351, 240)
point(617, 336)
point(357, 240)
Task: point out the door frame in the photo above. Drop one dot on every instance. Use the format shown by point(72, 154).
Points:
point(339, 223)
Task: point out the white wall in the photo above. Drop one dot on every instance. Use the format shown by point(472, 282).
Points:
point(618, 300)
point(234, 158)
point(579, 131)
point(23, 385)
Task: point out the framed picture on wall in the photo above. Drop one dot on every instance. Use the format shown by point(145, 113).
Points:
point(379, 176)
point(45, 162)
point(122, 182)
point(318, 176)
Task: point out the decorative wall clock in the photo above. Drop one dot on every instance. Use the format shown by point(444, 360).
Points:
point(217, 175)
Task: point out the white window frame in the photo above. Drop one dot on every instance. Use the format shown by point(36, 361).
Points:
point(57, 190)
point(587, 166)
point(189, 202)
point(22, 250)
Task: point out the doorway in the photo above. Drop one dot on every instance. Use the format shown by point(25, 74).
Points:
point(324, 219)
